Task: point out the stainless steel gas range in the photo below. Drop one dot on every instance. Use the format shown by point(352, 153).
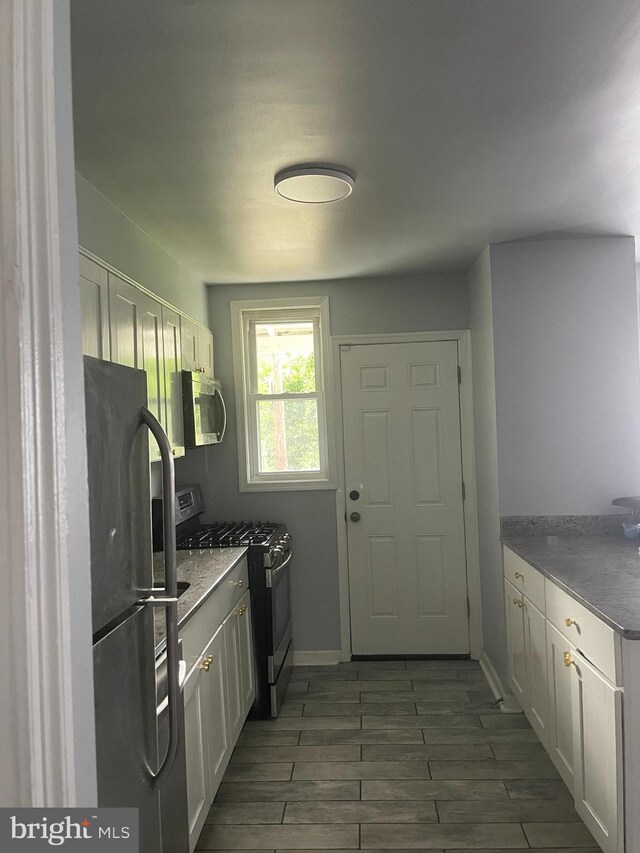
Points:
point(269, 557)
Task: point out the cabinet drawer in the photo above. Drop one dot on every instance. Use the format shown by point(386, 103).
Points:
point(203, 624)
point(524, 577)
point(595, 640)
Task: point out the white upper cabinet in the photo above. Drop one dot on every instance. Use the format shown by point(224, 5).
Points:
point(197, 348)
point(189, 335)
point(125, 322)
point(94, 298)
point(173, 379)
point(205, 352)
point(122, 322)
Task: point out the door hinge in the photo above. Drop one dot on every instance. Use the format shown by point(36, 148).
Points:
point(468, 608)
point(459, 375)
point(464, 492)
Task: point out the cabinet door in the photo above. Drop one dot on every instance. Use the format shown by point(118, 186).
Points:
point(560, 720)
point(515, 642)
point(152, 362)
point(189, 344)
point(173, 379)
point(205, 352)
point(198, 784)
point(94, 298)
point(597, 747)
point(233, 672)
point(536, 654)
point(246, 655)
point(125, 322)
point(217, 736)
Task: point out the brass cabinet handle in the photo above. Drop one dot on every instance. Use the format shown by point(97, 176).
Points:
point(569, 622)
point(568, 660)
point(518, 576)
point(238, 583)
point(518, 601)
point(206, 663)
point(241, 610)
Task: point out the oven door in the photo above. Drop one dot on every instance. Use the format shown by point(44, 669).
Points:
point(280, 600)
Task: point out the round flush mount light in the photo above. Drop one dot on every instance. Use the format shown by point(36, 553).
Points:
point(313, 184)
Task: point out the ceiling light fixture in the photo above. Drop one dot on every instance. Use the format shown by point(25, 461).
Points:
point(313, 184)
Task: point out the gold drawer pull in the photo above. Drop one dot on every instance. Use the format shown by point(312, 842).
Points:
point(518, 601)
point(206, 663)
point(568, 660)
point(241, 610)
point(569, 622)
point(238, 583)
point(519, 577)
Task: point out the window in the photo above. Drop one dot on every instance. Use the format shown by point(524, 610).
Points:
point(280, 353)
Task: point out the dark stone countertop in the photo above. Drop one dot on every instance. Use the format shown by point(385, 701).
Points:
point(601, 572)
point(204, 571)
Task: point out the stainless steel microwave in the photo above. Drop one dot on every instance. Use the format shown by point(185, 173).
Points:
point(204, 411)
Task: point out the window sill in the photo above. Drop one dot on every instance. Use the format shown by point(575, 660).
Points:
point(290, 486)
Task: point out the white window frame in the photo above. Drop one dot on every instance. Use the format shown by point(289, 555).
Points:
point(244, 316)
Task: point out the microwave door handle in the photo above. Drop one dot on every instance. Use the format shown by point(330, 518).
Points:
point(224, 414)
point(168, 600)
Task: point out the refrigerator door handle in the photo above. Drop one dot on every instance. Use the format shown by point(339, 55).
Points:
point(170, 590)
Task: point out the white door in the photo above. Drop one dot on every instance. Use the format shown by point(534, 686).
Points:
point(597, 747)
point(407, 562)
point(214, 702)
point(560, 721)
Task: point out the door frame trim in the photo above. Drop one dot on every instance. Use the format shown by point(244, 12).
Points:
point(463, 339)
point(45, 615)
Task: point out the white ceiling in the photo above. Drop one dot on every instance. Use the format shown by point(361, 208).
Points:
point(465, 121)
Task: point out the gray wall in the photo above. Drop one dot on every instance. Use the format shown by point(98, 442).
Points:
point(399, 304)
point(107, 232)
point(484, 409)
point(568, 386)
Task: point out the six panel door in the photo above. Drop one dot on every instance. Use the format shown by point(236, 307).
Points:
point(405, 519)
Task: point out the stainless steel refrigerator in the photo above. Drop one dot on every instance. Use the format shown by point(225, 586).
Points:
point(140, 737)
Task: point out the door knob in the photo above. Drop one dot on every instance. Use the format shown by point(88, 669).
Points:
point(355, 516)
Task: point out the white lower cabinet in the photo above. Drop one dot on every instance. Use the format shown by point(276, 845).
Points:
point(218, 694)
point(597, 739)
point(560, 732)
point(535, 643)
point(526, 644)
point(575, 708)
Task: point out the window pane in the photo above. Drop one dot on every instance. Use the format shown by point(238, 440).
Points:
point(285, 357)
point(288, 436)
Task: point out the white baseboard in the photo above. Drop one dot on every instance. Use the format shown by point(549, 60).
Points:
point(317, 658)
point(508, 702)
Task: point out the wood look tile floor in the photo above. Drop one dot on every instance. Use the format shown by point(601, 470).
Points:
point(392, 755)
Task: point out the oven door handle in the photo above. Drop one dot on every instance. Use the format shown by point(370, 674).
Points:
point(272, 573)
